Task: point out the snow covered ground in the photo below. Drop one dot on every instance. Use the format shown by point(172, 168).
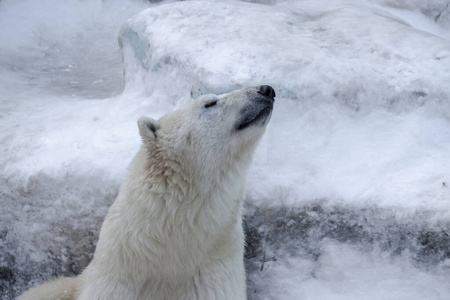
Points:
point(349, 194)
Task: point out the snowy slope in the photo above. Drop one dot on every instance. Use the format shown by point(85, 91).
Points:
point(349, 193)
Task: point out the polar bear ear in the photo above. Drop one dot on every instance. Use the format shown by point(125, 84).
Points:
point(147, 129)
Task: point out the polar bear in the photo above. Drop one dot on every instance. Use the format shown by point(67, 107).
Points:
point(175, 228)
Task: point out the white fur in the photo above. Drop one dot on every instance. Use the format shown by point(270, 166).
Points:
point(174, 231)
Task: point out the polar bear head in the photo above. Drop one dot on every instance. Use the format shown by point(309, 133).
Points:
point(210, 136)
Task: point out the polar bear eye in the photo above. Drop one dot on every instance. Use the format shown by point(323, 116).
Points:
point(210, 103)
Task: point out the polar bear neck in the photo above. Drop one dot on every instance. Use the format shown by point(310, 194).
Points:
point(174, 184)
point(161, 206)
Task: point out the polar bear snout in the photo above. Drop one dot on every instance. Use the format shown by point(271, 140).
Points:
point(268, 91)
point(259, 108)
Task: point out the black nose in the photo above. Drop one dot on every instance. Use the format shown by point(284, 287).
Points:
point(267, 90)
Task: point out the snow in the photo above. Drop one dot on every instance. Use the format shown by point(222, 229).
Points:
point(349, 193)
point(346, 273)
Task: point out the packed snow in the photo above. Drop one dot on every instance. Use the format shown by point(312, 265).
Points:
point(349, 193)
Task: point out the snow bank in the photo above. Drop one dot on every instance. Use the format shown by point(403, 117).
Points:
point(359, 55)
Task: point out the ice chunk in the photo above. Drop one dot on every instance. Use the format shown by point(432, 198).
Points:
point(361, 56)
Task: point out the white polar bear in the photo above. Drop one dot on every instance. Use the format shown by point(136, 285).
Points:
point(175, 229)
